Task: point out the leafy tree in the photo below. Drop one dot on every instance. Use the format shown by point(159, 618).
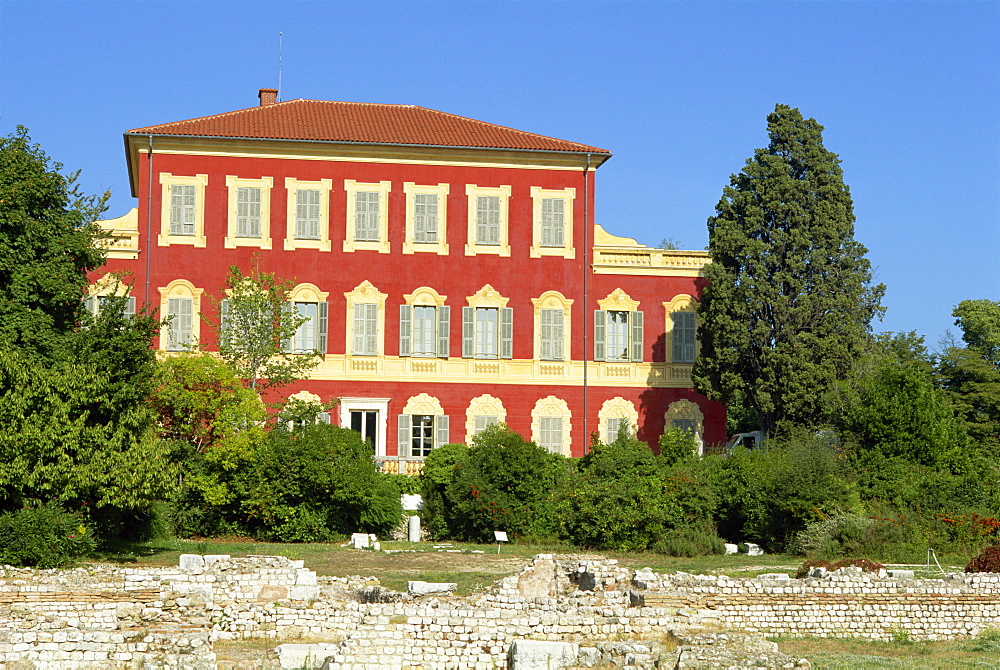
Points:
point(47, 246)
point(789, 299)
point(980, 323)
point(256, 326)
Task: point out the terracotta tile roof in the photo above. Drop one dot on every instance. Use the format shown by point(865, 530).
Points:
point(324, 121)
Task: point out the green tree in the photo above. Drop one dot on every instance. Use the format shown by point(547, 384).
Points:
point(789, 298)
point(256, 329)
point(980, 324)
point(47, 245)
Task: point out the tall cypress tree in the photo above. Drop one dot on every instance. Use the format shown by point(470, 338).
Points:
point(790, 299)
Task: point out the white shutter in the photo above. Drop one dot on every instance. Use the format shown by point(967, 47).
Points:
point(405, 330)
point(90, 304)
point(324, 320)
point(371, 329)
point(468, 332)
point(552, 222)
point(425, 217)
point(307, 214)
point(359, 329)
point(441, 432)
point(506, 332)
point(635, 340)
point(403, 435)
point(443, 331)
point(130, 307)
point(488, 220)
point(323, 417)
point(225, 324)
point(366, 216)
point(600, 334)
point(551, 326)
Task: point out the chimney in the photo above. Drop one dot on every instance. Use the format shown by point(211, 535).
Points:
point(268, 96)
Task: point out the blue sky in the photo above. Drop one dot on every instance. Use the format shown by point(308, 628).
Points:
point(909, 93)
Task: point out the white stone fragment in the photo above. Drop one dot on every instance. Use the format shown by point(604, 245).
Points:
point(359, 540)
point(732, 549)
point(541, 655)
point(754, 549)
point(413, 528)
point(774, 575)
point(418, 588)
point(308, 656)
point(412, 502)
point(191, 562)
point(901, 574)
point(210, 559)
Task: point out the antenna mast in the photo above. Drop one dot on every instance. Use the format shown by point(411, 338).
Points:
point(280, 49)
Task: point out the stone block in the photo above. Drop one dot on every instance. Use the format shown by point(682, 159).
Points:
point(211, 559)
point(309, 656)
point(541, 655)
point(360, 540)
point(303, 593)
point(774, 575)
point(191, 562)
point(732, 549)
point(418, 588)
point(754, 549)
point(412, 502)
point(901, 574)
point(305, 577)
point(413, 528)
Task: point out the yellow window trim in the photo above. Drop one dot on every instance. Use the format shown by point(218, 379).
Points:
point(181, 288)
point(265, 184)
point(324, 186)
point(553, 300)
point(472, 191)
point(365, 292)
point(551, 406)
point(617, 408)
point(440, 247)
point(487, 296)
point(567, 195)
point(352, 188)
point(200, 182)
point(619, 301)
point(484, 404)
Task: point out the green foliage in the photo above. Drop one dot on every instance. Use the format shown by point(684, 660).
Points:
point(253, 336)
point(972, 384)
point(980, 324)
point(439, 469)
point(503, 483)
point(200, 402)
point(311, 484)
point(690, 541)
point(43, 536)
point(677, 445)
point(624, 497)
point(407, 484)
point(789, 300)
point(47, 246)
point(863, 563)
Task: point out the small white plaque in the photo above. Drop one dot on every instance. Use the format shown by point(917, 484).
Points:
point(500, 535)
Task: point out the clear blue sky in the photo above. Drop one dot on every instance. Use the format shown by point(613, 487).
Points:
point(909, 93)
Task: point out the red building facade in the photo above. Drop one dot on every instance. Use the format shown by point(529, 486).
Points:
point(450, 271)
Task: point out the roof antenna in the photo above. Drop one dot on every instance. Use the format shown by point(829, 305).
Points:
point(279, 65)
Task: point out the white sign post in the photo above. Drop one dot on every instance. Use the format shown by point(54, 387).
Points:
point(501, 536)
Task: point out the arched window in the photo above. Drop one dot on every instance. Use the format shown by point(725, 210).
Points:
point(615, 414)
point(550, 425)
point(484, 410)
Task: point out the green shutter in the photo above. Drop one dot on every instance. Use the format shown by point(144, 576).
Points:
point(441, 432)
point(468, 332)
point(506, 332)
point(635, 340)
point(403, 435)
point(600, 334)
point(324, 321)
point(443, 331)
point(405, 330)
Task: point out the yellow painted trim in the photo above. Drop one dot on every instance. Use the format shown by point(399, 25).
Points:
point(426, 296)
point(307, 293)
point(552, 300)
point(551, 406)
point(487, 296)
point(200, 182)
point(440, 247)
point(264, 184)
point(567, 195)
point(638, 260)
point(324, 186)
point(181, 288)
point(619, 301)
point(423, 405)
point(352, 188)
point(366, 293)
point(617, 408)
point(483, 405)
point(124, 242)
point(109, 284)
point(472, 248)
point(603, 238)
point(307, 397)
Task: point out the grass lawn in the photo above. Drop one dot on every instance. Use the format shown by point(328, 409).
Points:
point(983, 652)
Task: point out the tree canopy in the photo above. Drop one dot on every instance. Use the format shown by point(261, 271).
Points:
point(790, 299)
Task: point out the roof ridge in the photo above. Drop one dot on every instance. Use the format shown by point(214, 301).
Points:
point(497, 125)
point(217, 116)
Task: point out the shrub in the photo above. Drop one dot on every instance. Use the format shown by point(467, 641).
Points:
point(688, 541)
point(43, 537)
point(863, 563)
point(677, 446)
point(988, 560)
point(832, 537)
point(439, 468)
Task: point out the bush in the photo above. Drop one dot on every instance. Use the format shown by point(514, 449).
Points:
point(688, 541)
point(677, 446)
point(439, 468)
point(988, 560)
point(832, 537)
point(43, 537)
point(863, 563)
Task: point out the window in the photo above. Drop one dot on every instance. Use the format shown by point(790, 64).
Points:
point(687, 425)
point(419, 433)
point(484, 410)
point(686, 415)
point(424, 330)
point(550, 425)
point(367, 216)
point(180, 302)
point(310, 336)
point(249, 212)
point(366, 416)
point(365, 320)
point(95, 303)
point(366, 219)
point(487, 332)
point(487, 225)
point(618, 329)
point(615, 414)
point(550, 429)
point(365, 329)
point(426, 218)
point(552, 222)
point(683, 337)
point(551, 335)
point(182, 212)
point(307, 213)
point(179, 323)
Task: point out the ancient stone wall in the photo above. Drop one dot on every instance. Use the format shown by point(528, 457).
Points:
point(169, 617)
